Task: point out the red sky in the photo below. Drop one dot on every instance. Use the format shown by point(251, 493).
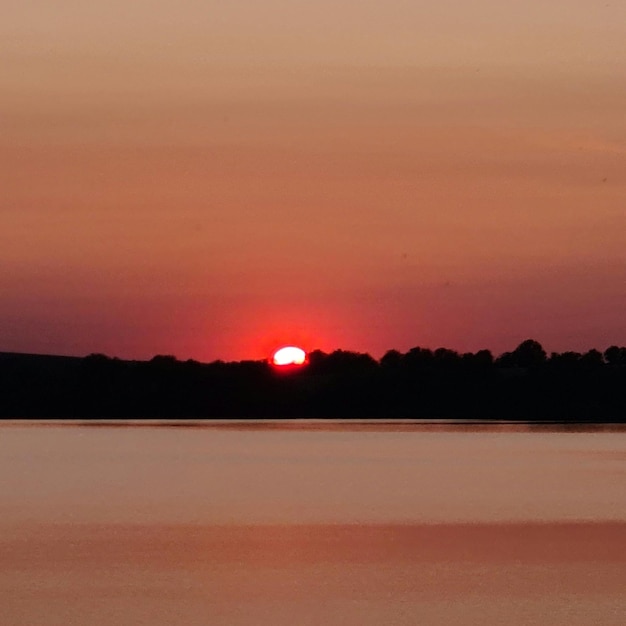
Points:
point(207, 179)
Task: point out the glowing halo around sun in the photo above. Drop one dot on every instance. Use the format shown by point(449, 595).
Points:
point(289, 355)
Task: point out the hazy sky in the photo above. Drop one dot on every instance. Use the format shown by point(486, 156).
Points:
point(209, 179)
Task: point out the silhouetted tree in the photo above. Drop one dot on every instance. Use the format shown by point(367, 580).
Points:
point(446, 358)
point(592, 359)
point(529, 354)
point(483, 358)
point(391, 359)
point(419, 358)
point(522, 384)
point(615, 356)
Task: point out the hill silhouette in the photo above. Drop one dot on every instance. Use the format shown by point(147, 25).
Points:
point(525, 384)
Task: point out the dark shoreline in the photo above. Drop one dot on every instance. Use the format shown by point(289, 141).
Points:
point(524, 386)
point(325, 425)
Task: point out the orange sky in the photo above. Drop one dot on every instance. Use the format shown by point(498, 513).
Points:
point(206, 179)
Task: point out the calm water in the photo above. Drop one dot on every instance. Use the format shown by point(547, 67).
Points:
point(311, 524)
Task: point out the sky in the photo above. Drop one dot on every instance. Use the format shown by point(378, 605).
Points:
point(214, 179)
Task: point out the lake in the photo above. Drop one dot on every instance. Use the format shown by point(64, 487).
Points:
point(269, 523)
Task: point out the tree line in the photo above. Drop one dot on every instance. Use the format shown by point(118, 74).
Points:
point(524, 384)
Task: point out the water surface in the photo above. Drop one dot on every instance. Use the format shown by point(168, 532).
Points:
point(312, 523)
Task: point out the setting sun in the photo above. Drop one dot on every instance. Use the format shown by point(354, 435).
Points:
point(289, 355)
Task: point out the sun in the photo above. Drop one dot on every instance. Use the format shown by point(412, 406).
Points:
point(289, 355)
